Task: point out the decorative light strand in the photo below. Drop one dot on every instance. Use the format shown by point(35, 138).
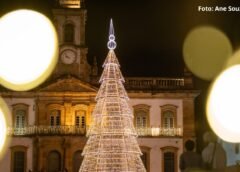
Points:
point(112, 143)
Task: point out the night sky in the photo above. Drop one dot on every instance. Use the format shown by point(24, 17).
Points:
point(149, 33)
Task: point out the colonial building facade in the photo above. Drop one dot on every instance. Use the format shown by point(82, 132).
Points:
point(49, 123)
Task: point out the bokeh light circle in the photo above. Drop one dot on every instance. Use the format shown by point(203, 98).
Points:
point(223, 112)
point(234, 60)
point(28, 48)
point(205, 51)
point(4, 120)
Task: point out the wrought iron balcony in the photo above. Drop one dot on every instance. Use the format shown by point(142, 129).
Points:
point(47, 130)
point(150, 83)
point(75, 130)
point(153, 83)
point(158, 131)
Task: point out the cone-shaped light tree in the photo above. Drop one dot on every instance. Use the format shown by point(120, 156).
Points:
point(112, 145)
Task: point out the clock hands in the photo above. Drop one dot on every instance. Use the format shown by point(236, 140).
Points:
point(67, 57)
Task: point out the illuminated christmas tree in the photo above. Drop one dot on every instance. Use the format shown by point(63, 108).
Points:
point(112, 145)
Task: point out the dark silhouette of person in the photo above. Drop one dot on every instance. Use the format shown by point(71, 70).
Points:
point(190, 159)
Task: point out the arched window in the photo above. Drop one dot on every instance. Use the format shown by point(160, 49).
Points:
point(146, 157)
point(69, 33)
point(54, 161)
point(55, 117)
point(20, 114)
point(169, 159)
point(55, 114)
point(141, 119)
point(18, 159)
point(141, 116)
point(77, 160)
point(169, 116)
point(20, 118)
point(168, 119)
point(80, 119)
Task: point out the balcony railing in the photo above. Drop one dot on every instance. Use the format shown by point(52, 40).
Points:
point(47, 130)
point(75, 130)
point(149, 83)
point(154, 83)
point(158, 131)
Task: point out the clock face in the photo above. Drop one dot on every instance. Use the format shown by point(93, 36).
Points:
point(68, 56)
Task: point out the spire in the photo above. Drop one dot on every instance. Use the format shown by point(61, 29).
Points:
point(94, 67)
point(111, 28)
point(111, 43)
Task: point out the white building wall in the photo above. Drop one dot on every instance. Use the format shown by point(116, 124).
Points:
point(155, 145)
point(5, 165)
point(155, 109)
point(28, 101)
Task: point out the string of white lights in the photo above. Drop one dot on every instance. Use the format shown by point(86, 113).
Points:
point(112, 145)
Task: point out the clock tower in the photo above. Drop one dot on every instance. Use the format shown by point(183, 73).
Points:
point(70, 19)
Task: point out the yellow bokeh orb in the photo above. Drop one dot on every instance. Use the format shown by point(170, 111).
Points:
point(28, 48)
point(4, 115)
point(223, 112)
point(234, 60)
point(205, 51)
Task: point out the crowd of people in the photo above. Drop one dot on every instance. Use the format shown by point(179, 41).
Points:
point(212, 158)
